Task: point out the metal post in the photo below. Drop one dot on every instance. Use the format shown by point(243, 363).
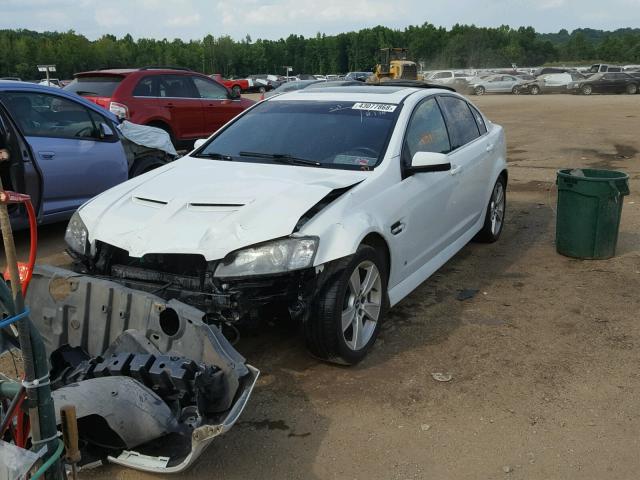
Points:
point(36, 364)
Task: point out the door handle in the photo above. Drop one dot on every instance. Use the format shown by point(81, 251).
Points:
point(170, 105)
point(397, 228)
point(46, 155)
point(490, 147)
point(455, 170)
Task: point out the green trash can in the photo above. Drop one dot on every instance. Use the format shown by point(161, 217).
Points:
point(589, 209)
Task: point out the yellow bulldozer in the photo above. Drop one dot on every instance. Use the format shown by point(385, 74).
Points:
point(394, 65)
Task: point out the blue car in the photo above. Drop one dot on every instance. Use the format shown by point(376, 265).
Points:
point(63, 150)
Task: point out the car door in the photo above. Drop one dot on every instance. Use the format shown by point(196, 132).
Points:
point(218, 108)
point(606, 84)
point(178, 95)
point(494, 84)
point(508, 82)
point(76, 160)
point(471, 159)
point(425, 229)
point(19, 173)
point(619, 82)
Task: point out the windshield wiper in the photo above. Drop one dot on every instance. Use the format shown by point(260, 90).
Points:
point(282, 158)
point(215, 156)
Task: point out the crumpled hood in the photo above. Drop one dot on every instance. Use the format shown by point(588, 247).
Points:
point(208, 207)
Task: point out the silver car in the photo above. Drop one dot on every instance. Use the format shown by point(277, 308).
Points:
point(496, 84)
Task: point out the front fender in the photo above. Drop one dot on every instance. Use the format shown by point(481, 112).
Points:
point(342, 239)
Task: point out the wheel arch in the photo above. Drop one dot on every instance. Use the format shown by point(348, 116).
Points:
point(160, 123)
point(377, 241)
point(504, 174)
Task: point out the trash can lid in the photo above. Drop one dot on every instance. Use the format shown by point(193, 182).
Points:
point(593, 174)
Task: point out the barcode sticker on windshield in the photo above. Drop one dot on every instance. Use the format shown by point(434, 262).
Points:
point(375, 107)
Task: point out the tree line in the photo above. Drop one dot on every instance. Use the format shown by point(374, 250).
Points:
point(462, 46)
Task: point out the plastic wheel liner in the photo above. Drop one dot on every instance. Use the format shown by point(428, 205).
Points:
point(153, 384)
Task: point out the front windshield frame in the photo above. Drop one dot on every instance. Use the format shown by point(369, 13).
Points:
point(383, 149)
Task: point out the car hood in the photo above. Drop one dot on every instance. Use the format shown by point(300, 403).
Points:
point(209, 207)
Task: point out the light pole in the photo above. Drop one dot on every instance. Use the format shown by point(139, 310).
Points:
point(47, 68)
point(288, 69)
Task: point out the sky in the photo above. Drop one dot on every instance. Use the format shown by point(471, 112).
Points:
point(273, 19)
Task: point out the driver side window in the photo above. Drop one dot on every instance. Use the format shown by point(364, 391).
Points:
point(44, 115)
point(210, 89)
point(426, 132)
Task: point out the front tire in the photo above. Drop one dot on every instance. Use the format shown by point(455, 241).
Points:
point(515, 90)
point(632, 89)
point(479, 90)
point(496, 209)
point(236, 90)
point(586, 89)
point(262, 90)
point(534, 90)
point(346, 316)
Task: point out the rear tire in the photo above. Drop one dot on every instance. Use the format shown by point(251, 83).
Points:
point(496, 209)
point(262, 90)
point(341, 327)
point(632, 89)
point(515, 91)
point(236, 90)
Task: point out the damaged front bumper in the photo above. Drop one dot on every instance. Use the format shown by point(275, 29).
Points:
point(187, 382)
point(191, 279)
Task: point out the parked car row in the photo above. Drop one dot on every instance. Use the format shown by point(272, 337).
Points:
point(570, 82)
point(599, 78)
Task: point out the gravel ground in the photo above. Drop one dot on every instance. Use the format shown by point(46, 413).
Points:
point(544, 359)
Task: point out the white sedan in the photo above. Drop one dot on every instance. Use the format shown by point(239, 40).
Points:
point(324, 206)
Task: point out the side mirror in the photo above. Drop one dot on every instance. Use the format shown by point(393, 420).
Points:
point(198, 143)
point(430, 162)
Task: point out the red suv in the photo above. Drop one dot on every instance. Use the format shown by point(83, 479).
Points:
point(187, 104)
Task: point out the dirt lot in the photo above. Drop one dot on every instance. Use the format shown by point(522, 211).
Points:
point(545, 358)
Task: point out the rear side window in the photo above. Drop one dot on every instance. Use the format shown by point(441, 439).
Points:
point(176, 86)
point(145, 88)
point(479, 120)
point(98, 86)
point(462, 126)
point(426, 132)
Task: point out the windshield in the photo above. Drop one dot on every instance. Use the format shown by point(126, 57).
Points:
point(98, 86)
point(329, 134)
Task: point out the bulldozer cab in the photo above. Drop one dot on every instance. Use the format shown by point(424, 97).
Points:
point(394, 64)
point(388, 55)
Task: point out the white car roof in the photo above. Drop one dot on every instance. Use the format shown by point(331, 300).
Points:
point(365, 93)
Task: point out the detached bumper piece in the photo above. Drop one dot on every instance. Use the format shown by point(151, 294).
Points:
point(153, 384)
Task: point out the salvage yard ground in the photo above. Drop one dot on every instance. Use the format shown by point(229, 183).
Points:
point(545, 358)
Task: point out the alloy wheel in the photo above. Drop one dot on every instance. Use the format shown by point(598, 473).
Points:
point(362, 305)
point(497, 208)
